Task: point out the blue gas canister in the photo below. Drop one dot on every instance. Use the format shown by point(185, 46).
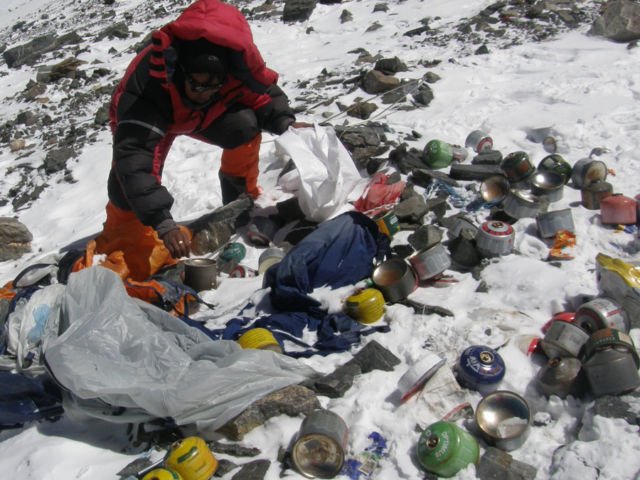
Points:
point(480, 368)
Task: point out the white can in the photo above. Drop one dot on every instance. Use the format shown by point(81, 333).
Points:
point(495, 238)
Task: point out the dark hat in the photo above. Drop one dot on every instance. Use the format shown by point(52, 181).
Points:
point(202, 56)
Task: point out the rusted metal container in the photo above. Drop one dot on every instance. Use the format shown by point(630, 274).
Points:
point(594, 193)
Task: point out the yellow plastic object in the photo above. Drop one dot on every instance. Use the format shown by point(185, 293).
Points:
point(259, 338)
point(630, 274)
point(162, 474)
point(192, 459)
point(366, 306)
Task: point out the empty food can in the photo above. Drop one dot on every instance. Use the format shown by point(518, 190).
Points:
point(523, 204)
point(320, 445)
point(611, 363)
point(444, 449)
point(563, 339)
point(200, 273)
point(387, 223)
point(601, 312)
point(495, 238)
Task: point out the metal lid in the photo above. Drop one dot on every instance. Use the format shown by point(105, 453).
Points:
point(317, 456)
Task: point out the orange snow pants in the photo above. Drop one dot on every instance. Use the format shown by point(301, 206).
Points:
point(243, 161)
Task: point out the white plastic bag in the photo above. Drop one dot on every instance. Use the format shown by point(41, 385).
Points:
point(327, 178)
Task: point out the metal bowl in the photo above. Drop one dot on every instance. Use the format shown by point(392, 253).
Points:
point(548, 183)
point(493, 189)
point(395, 279)
point(503, 418)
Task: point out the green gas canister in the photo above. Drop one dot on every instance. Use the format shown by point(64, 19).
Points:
point(444, 449)
point(439, 154)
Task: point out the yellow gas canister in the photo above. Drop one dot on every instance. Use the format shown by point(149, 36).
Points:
point(260, 338)
point(162, 474)
point(192, 459)
point(366, 305)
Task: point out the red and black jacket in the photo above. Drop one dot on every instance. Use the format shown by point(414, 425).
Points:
point(148, 108)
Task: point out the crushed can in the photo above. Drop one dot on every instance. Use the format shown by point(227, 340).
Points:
point(480, 368)
point(444, 449)
point(601, 312)
point(563, 339)
point(320, 445)
point(550, 223)
point(192, 459)
point(562, 377)
point(611, 363)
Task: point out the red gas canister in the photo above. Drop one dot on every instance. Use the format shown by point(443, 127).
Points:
point(618, 210)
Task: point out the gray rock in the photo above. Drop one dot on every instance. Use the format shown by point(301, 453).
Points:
point(298, 10)
point(496, 464)
point(56, 160)
point(380, 7)
point(389, 66)
point(424, 237)
point(362, 110)
point(29, 53)
point(255, 470)
point(619, 22)
point(336, 384)
point(15, 239)
point(224, 467)
point(624, 406)
point(233, 449)
point(294, 400)
point(68, 68)
point(424, 95)
point(374, 356)
point(411, 210)
point(346, 16)
point(377, 82)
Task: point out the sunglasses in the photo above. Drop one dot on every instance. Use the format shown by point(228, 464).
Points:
point(198, 87)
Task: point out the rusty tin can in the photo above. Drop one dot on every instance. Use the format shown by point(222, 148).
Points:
point(594, 193)
point(611, 363)
point(550, 223)
point(495, 238)
point(563, 339)
point(320, 445)
point(586, 171)
point(562, 377)
point(601, 312)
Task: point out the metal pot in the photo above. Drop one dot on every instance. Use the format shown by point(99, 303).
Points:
point(523, 204)
point(517, 167)
point(495, 238)
point(494, 189)
point(395, 279)
point(200, 273)
point(429, 262)
point(556, 163)
point(550, 223)
point(548, 183)
point(503, 418)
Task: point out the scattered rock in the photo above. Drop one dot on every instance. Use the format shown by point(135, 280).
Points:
point(298, 10)
point(619, 22)
point(15, 239)
point(294, 400)
point(255, 470)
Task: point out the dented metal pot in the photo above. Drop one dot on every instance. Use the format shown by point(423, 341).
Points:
point(430, 262)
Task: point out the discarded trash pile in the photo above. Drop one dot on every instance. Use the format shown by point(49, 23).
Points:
point(329, 235)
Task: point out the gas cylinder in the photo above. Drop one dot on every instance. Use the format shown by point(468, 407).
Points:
point(445, 449)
